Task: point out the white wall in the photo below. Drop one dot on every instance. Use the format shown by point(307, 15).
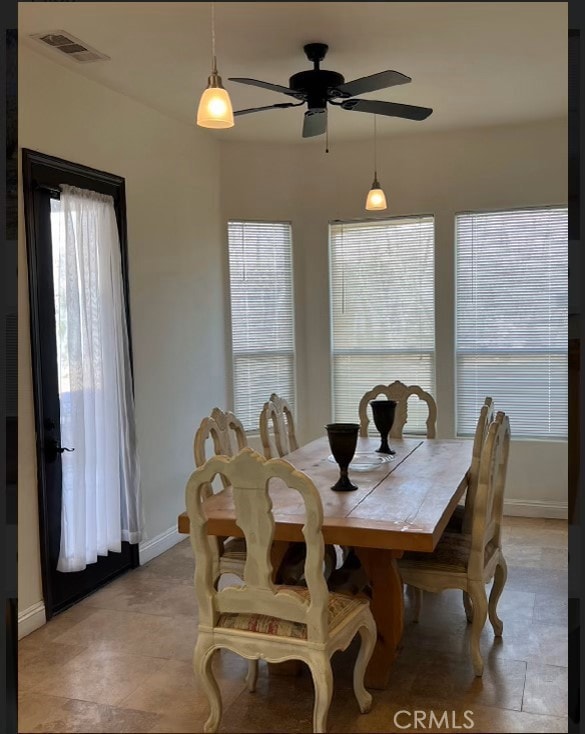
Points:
point(175, 272)
point(438, 173)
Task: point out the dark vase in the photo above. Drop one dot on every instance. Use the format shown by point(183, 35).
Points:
point(384, 411)
point(343, 441)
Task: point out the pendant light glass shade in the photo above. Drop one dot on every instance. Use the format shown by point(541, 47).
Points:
point(215, 106)
point(376, 198)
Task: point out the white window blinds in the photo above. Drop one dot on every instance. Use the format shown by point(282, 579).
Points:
point(261, 290)
point(382, 311)
point(511, 333)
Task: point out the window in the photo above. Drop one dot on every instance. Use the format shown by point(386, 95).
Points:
point(382, 310)
point(261, 291)
point(511, 333)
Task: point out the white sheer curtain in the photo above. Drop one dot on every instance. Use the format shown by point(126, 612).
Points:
point(101, 503)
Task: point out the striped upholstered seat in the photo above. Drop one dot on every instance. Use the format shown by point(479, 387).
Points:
point(339, 607)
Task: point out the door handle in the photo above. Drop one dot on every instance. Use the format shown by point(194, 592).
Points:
point(52, 449)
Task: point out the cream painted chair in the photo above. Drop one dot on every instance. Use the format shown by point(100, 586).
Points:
point(462, 516)
point(401, 393)
point(277, 412)
point(260, 620)
point(228, 436)
point(469, 562)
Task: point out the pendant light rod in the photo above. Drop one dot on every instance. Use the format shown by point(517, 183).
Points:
point(376, 199)
point(213, 57)
point(214, 80)
point(375, 151)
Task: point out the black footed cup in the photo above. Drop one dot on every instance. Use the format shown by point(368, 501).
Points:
point(343, 441)
point(384, 412)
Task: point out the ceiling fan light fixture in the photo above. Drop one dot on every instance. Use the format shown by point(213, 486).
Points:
point(215, 109)
point(376, 199)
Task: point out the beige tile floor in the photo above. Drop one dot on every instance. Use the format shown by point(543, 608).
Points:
point(120, 661)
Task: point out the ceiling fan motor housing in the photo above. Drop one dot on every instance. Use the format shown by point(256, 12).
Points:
point(314, 86)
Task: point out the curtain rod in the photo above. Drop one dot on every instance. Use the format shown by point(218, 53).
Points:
point(55, 190)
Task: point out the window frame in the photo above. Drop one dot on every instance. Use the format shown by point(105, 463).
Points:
point(332, 353)
point(492, 210)
point(228, 296)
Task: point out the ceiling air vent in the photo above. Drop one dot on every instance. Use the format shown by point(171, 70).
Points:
point(70, 46)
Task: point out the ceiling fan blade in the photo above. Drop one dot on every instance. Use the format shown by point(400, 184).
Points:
point(391, 109)
point(372, 83)
point(268, 107)
point(314, 123)
point(265, 85)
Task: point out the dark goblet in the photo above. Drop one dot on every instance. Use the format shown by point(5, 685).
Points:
point(384, 411)
point(343, 440)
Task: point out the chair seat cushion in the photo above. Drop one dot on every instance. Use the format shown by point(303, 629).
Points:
point(339, 607)
point(455, 524)
point(234, 549)
point(451, 554)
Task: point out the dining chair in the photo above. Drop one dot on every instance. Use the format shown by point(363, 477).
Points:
point(401, 393)
point(461, 518)
point(229, 437)
point(469, 562)
point(260, 620)
point(277, 412)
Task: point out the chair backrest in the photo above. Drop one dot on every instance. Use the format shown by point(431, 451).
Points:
point(486, 415)
point(489, 499)
point(222, 427)
point(400, 392)
point(249, 474)
point(278, 413)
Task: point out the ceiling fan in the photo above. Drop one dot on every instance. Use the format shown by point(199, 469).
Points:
point(317, 87)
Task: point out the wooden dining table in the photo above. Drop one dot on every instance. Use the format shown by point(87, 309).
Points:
point(400, 505)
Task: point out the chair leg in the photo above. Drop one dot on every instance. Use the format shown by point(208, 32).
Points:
point(476, 591)
point(417, 600)
point(252, 675)
point(367, 643)
point(468, 607)
point(320, 666)
point(499, 581)
point(202, 659)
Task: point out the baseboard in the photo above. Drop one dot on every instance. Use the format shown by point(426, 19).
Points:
point(536, 508)
point(159, 544)
point(31, 619)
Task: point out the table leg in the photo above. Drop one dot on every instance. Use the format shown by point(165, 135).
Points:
point(387, 605)
point(277, 553)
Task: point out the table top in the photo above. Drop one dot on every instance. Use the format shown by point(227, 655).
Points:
point(404, 504)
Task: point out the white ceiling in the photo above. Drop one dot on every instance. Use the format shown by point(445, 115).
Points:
point(474, 63)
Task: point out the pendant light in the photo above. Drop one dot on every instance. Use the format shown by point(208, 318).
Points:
point(215, 107)
point(376, 199)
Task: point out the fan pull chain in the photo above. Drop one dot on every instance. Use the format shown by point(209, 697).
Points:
point(327, 134)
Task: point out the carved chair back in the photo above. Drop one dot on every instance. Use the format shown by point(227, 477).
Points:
point(249, 474)
point(486, 415)
point(489, 500)
point(401, 393)
point(278, 413)
point(225, 430)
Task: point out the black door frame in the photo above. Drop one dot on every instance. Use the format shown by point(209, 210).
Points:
point(48, 172)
